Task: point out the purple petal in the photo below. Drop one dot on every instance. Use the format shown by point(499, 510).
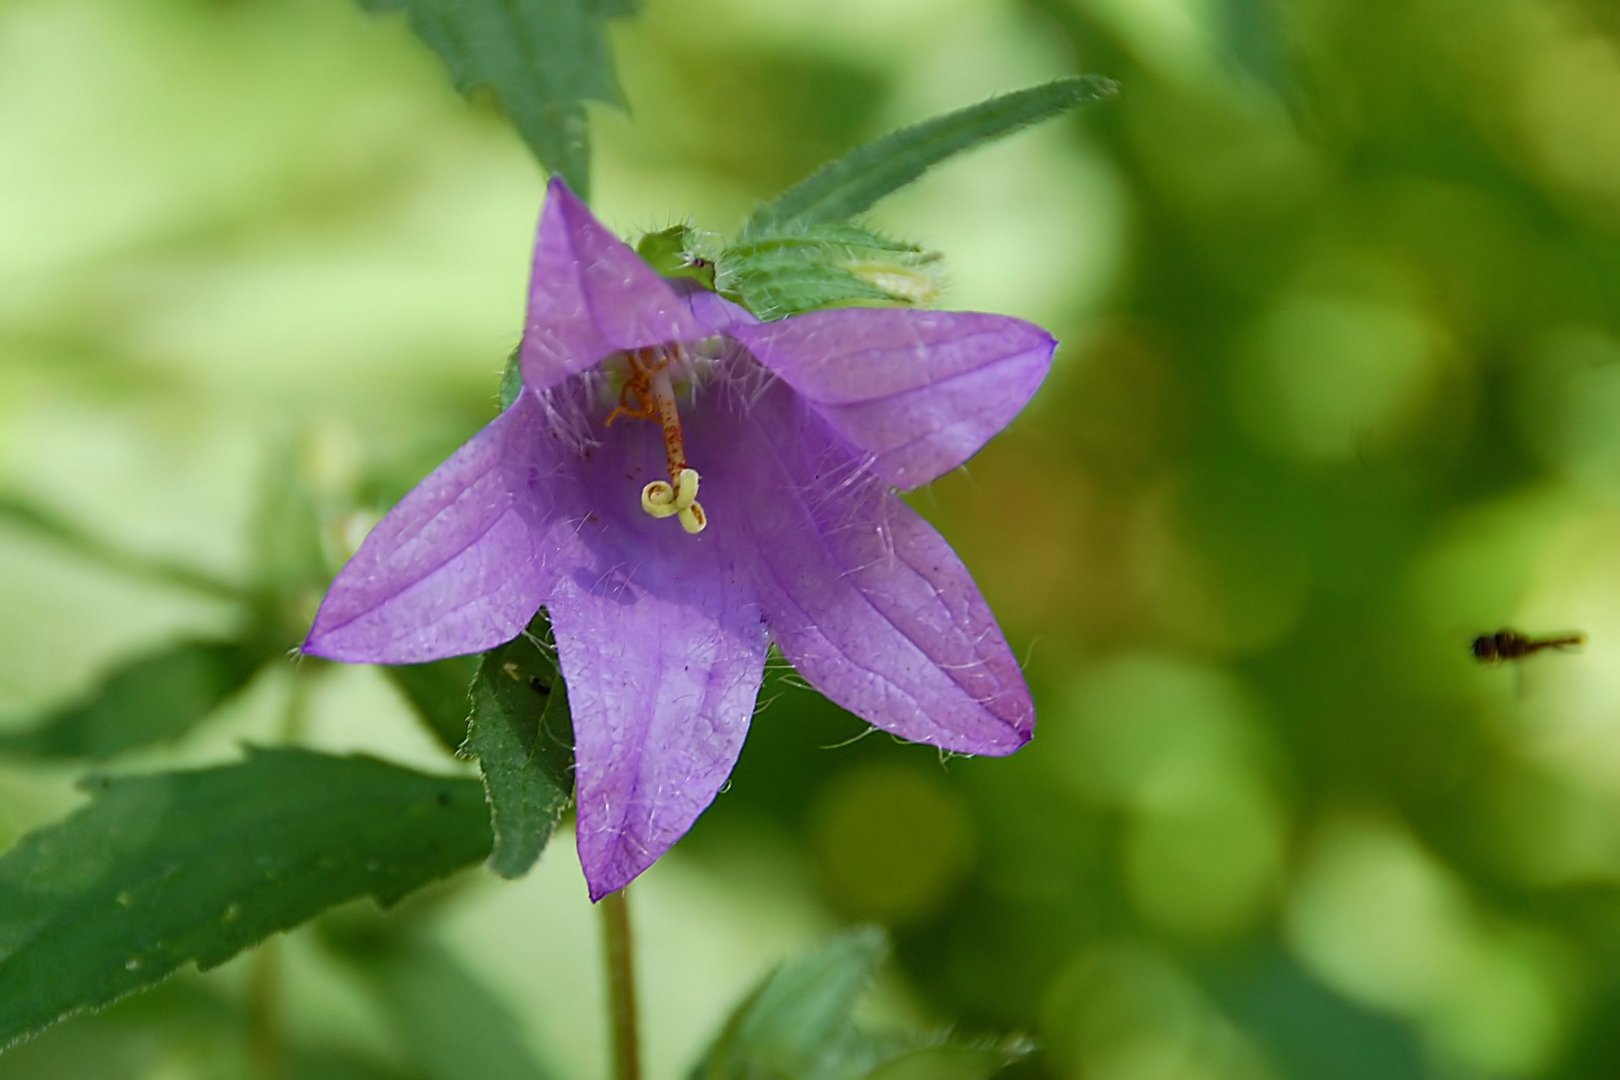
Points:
point(713, 312)
point(663, 650)
point(862, 596)
point(461, 564)
point(920, 391)
point(590, 295)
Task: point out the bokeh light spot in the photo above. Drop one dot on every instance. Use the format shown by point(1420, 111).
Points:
point(1122, 1012)
point(1329, 378)
point(1203, 860)
point(892, 842)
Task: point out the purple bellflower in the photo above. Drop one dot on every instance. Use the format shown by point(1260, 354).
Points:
point(635, 391)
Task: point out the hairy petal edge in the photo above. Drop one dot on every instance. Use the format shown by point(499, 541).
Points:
point(461, 564)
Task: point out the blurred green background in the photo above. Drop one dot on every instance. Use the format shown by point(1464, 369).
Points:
point(1338, 283)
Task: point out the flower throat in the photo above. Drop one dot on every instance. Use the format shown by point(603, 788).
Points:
point(648, 394)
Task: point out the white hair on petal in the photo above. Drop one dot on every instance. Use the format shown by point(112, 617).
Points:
point(568, 407)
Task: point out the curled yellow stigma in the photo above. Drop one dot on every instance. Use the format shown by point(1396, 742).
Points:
point(648, 394)
point(661, 499)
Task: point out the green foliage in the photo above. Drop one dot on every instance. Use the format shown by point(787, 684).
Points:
point(285, 538)
point(447, 1023)
point(787, 269)
point(18, 511)
point(179, 867)
point(801, 252)
point(796, 1018)
point(851, 185)
point(798, 1023)
point(152, 699)
point(523, 740)
point(450, 1024)
point(186, 1019)
point(440, 694)
point(542, 59)
point(950, 1061)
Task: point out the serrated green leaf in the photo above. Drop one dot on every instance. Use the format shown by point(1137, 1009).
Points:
point(542, 59)
point(440, 693)
point(150, 700)
point(790, 269)
point(851, 185)
point(522, 737)
point(797, 1022)
point(161, 870)
point(775, 292)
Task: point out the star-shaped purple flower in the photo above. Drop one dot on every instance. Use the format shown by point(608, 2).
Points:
point(635, 392)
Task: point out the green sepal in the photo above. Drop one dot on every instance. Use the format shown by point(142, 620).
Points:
point(523, 739)
point(786, 270)
point(170, 868)
point(849, 186)
point(146, 701)
point(680, 251)
point(511, 379)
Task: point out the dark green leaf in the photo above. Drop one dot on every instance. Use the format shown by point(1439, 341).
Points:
point(150, 700)
point(542, 59)
point(161, 870)
point(523, 740)
point(851, 185)
point(440, 693)
point(791, 269)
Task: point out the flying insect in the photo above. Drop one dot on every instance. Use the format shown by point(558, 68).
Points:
point(1505, 645)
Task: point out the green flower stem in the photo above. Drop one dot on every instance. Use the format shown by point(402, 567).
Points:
point(264, 1014)
point(264, 986)
point(621, 981)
